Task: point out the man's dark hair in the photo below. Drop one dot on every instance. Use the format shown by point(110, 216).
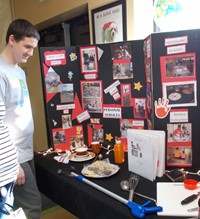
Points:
point(21, 28)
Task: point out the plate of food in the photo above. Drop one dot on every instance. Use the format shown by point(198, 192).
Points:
point(187, 91)
point(79, 157)
point(100, 169)
point(175, 96)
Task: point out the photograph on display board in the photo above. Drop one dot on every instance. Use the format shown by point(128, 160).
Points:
point(88, 59)
point(180, 93)
point(59, 137)
point(140, 108)
point(178, 67)
point(122, 61)
point(126, 94)
point(76, 141)
point(98, 134)
point(92, 96)
point(124, 125)
point(66, 121)
point(52, 81)
point(179, 156)
point(181, 132)
point(66, 93)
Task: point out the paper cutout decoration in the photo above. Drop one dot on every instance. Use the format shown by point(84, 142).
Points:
point(161, 108)
point(73, 56)
point(137, 86)
point(109, 137)
point(78, 109)
point(70, 75)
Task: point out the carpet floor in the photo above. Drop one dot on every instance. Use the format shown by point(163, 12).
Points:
point(57, 213)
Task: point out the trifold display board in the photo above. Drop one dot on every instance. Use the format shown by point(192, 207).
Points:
point(97, 92)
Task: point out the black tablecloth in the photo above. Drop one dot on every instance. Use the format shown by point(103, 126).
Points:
point(85, 201)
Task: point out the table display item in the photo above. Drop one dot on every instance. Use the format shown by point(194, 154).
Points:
point(170, 195)
point(100, 169)
point(133, 182)
point(80, 158)
point(118, 151)
point(190, 199)
point(137, 210)
point(175, 175)
point(190, 184)
point(96, 147)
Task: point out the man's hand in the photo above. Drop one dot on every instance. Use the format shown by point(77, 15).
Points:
point(20, 177)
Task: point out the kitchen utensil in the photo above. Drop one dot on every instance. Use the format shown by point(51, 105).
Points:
point(194, 173)
point(133, 182)
point(125, 186)
point(98, 157)
point(193, 209)
point(190, 184)
point(190, 199)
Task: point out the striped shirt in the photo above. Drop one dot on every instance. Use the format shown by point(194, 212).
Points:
point(9, 166)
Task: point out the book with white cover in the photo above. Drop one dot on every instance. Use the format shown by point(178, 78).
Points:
point(146, 152)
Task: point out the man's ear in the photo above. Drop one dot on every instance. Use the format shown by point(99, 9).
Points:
point(11, 39)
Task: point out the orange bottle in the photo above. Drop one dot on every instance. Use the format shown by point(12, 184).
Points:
point(118, 151)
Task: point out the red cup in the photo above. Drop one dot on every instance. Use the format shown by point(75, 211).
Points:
point(190, 184)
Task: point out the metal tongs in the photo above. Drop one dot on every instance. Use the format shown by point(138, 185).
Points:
point(133, 182)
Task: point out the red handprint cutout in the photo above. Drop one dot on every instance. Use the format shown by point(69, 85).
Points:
point(161, 108)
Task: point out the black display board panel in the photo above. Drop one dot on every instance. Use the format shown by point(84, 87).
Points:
point(106, 76)
point(51, 112)
point(158, 50)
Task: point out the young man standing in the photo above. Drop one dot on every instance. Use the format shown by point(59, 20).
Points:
point(21, 39)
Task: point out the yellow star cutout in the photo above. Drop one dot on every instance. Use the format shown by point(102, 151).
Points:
point(138, 86)
point(73, 56)
point(109, 137)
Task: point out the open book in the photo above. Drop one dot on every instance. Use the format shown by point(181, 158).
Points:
point(146, 152)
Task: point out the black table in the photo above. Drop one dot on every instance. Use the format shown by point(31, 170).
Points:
point(85, 201)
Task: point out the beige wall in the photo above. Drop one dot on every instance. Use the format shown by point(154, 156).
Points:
point(43, 14)
point(5, 18)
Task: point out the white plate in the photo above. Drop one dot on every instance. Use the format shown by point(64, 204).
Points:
point(74, 157)
point(175, 96)
point(100, 169)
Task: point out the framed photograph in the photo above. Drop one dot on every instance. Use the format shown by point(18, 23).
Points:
point(109, 23)
point(180, 67)
point(88, 58)
point(182, 93)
